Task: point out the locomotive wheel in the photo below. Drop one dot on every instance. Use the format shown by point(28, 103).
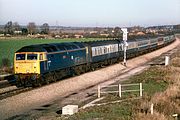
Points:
point(46, 81)
point(25, 82)
point(87, 68)
point(37, 83)
point(45, 78)
point(92, 68)
point(55, 77)
point(19, 83)
point(78, 71)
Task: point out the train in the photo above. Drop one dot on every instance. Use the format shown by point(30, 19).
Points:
point(45, 63)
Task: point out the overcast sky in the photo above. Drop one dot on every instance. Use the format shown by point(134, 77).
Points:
point(100, 13)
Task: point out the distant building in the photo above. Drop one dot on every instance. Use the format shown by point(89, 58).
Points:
point(17, 32)
point(1, 35)
point(74, 31)
point(105, 35)
point(176, 26)
point(65, 36)
point(78, 36)
point(140, 33)
point(93, 32)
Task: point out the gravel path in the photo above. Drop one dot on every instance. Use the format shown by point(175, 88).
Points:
point(24, 102)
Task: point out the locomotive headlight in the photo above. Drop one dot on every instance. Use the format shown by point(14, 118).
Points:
point(35, 65)
point(16, 66)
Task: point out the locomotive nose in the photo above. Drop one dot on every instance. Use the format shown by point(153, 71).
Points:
point(26, 67)
point(26, 63)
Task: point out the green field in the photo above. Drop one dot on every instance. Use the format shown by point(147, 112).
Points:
point(9, 46)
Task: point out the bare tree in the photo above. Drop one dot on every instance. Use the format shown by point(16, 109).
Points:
point(45, 28)
point(117, 32)
point(8, 28)
point(16, 26)
point(31, 28)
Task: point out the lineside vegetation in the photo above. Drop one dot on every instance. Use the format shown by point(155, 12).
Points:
point(161, 87)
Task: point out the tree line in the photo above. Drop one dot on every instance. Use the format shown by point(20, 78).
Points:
point(13, 28)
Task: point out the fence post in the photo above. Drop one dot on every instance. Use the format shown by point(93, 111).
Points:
point(152, 108)
point(166, 60)
point(99, 91)
point(120, 90)
point(140, 89)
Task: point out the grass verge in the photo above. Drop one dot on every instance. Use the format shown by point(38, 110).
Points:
point(161, 87)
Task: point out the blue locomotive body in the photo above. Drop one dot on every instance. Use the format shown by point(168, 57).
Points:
point(64, 55)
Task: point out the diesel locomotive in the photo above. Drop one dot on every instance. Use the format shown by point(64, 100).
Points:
point(45, 63)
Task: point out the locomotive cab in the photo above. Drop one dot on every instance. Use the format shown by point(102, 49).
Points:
point(27, 64)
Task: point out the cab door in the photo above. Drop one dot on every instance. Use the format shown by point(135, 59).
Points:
point(43, 62)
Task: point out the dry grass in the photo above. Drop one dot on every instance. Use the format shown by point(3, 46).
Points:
point(166, 103)
point(176, 61)
point(155, 116)
point(5, 70)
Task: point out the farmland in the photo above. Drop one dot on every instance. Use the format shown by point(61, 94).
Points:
point(9, 46)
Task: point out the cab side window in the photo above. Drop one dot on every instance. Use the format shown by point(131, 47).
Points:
point(41, 57)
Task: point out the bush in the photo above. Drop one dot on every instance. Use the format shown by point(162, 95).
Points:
point(5, 62)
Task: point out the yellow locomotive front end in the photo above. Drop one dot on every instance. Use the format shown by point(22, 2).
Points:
point(27, 66)
point(26, 63)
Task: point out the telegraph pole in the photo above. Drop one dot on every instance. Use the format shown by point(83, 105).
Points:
point(125, 32)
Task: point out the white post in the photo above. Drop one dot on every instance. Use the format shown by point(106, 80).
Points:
point(99, 91)
point(175, 116)
point(140, 85)
point(152, 108)
point(166, 60)
point(120, 91)
point(124, 61)
point(125, 43)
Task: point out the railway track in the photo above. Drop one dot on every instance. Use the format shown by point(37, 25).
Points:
point(11, 91)
point(161, 59)
point(8, 88)
point(4, 83)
